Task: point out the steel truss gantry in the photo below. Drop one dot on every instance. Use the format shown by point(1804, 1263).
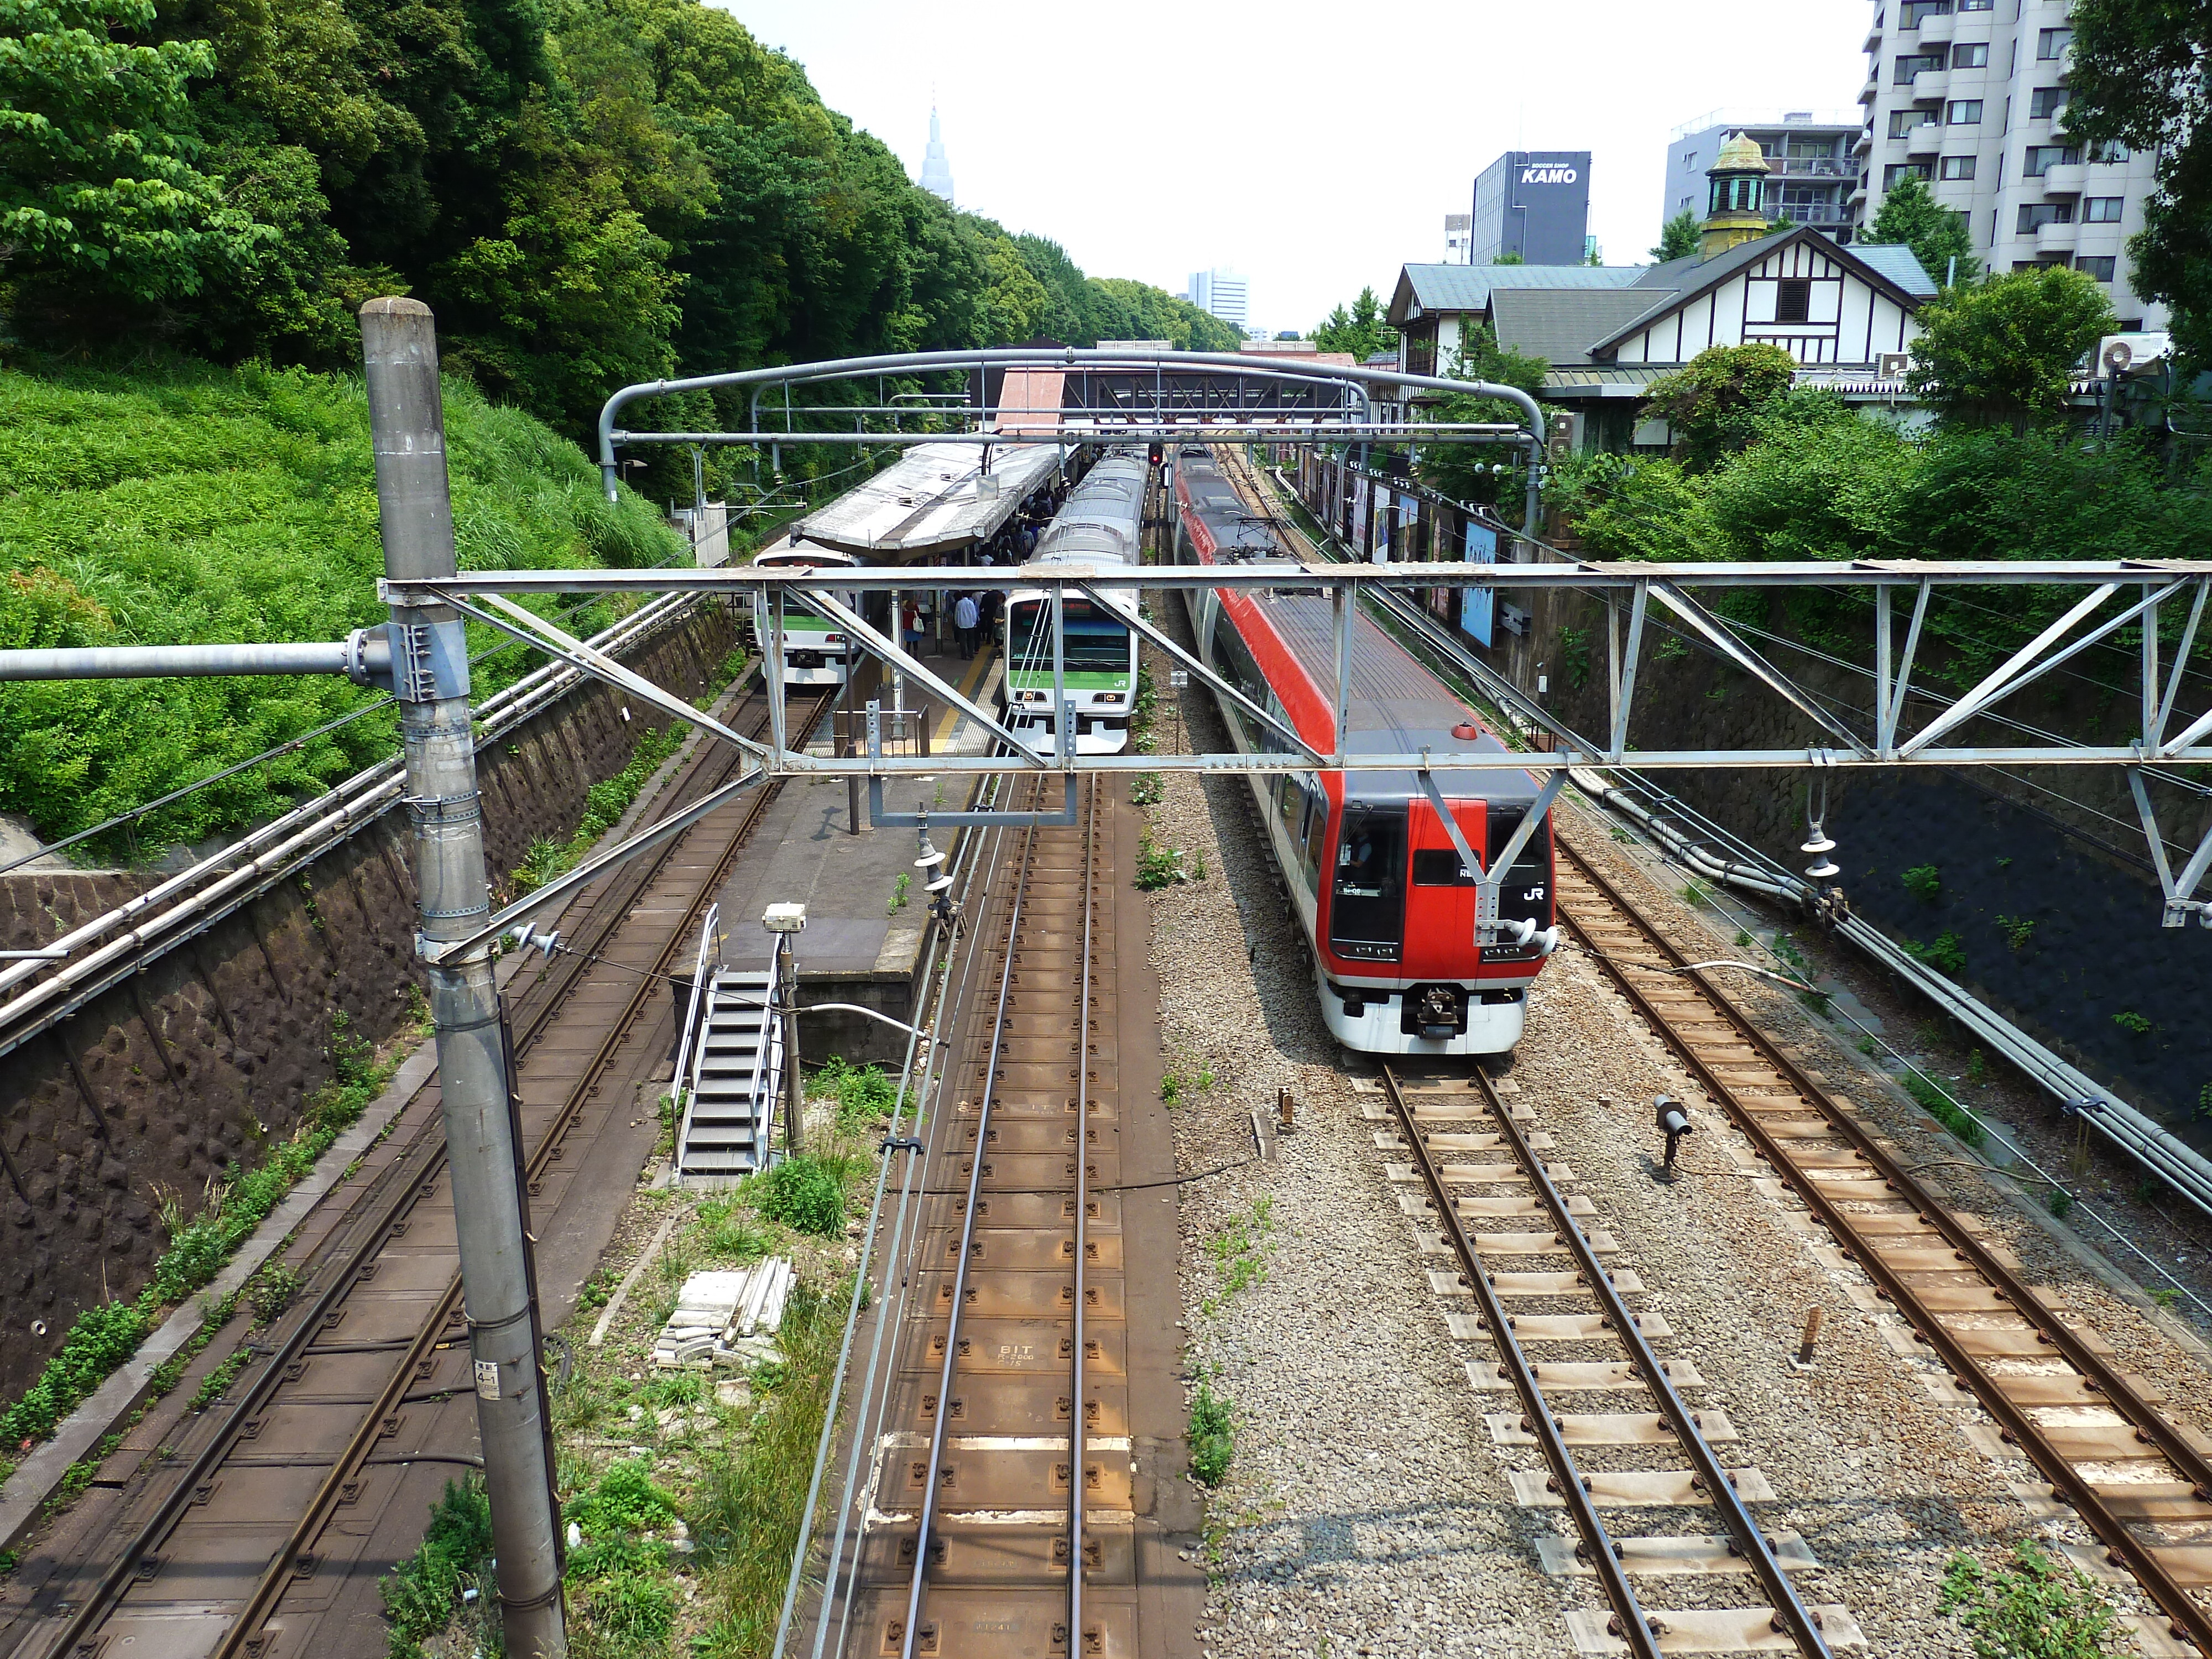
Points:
point(1105, 397)
point(2114, 597)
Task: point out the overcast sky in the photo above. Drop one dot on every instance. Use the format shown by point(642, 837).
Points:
point(1314, 147)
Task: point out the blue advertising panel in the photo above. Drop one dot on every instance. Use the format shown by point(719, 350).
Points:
point(1478, 606)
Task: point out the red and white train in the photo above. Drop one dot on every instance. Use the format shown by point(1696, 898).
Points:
point(1387, 903)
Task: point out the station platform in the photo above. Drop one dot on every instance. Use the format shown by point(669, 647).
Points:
point(864, 934)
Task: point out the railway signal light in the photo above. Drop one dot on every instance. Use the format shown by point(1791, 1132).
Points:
point(1155, 455)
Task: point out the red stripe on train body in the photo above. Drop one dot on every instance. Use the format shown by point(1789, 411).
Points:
point(1426, 965)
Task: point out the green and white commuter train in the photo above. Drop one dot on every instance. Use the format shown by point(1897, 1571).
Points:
point(1100, 524)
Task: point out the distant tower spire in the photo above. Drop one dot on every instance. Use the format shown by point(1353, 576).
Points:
point(936, 171)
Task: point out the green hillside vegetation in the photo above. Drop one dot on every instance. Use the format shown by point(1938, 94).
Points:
point(589, 193)
point(197, 503)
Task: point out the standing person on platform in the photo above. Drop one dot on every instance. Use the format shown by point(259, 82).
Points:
point(965, 617)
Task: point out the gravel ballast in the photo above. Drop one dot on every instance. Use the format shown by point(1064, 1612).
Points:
point(1366, 1509)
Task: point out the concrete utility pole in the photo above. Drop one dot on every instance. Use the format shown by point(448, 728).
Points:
point(430, 674)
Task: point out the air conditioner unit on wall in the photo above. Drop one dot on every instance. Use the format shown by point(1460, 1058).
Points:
point(2118, 354)
point(1894, 364)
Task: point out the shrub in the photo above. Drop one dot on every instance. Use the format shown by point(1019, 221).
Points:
point(420, 1594)
point(1924, 882)
point(2032, 1607)
point(1945, 955)
point(1212, 1437)
point(864, 1095)
point(2017, 930)
point(625, 1500)
point(2128, 1020)
point(806, 1194)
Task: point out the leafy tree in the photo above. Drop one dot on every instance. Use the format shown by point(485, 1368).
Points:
point(1363, 330)
point(1509, 258)
point(1465, 472)
point(1706, 400)
point(1678, 238)
point(1910, 215)
point(98, 191)
point(2137, 78)
point(2006, 349)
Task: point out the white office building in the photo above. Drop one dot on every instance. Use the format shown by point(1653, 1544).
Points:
point(1221, 292)
point(1967, 94)
point(1459, 239)
point(936, 168)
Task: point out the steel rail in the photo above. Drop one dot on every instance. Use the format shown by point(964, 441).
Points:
point(2188, 1618)
point(1752, 1542)
point(1079, 1442)
point(910, 1636)
point(1635, 1625)
point(901, 1255)
point(542, 1001)
point(269, 1590)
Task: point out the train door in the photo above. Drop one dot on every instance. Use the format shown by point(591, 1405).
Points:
point(1440, 903)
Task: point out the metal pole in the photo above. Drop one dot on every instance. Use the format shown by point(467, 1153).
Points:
point(786, 1006)
point(430, 671)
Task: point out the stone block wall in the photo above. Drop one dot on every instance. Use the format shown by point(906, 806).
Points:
point(148, 1094)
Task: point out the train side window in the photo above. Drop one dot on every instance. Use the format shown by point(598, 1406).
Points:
point(1316, 838)
point(1440, 867)
point(1290, 804)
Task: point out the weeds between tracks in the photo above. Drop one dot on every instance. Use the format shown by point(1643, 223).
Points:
point(686, 1488)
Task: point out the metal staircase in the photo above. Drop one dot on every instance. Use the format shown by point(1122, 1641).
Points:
point(735, 1062)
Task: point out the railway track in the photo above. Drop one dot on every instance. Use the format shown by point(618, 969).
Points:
point(1611, 1417)
point(1021, 1302)
point(2135, 1479)
point(237, 1541)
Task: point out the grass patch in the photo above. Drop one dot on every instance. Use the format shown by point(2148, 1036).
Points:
point(806, 1193)
point(1941, 1107)
point(2032, 1608)
point(1946, 955)
point(748, 1511)
point(177, 502)
point(604, 803)
point(1212, 1436)
point(865, 1095)
point(422, 1593)
point(1240, 1251)
point(1159, 866)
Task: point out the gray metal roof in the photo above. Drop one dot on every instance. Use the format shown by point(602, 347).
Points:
point(1469, 288)
point(1899, 264)
point(1558, 324)
point(934, 499)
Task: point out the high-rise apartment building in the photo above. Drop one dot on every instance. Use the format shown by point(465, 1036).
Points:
point(1968, 94)
point(1221, 292)
point(1811, 164)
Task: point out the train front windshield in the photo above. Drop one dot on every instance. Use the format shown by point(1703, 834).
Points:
point(1097, 640)
point(1367, 907)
